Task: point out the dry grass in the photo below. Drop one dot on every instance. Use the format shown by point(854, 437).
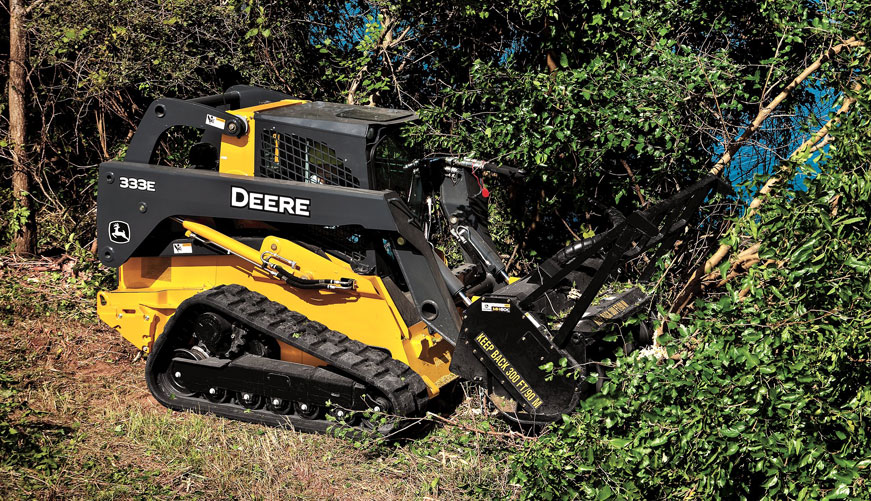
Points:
point(120, 443)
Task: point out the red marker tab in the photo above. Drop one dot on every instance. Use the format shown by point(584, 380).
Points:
point(484, 191)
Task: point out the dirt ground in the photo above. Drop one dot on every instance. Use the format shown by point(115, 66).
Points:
point(111, 439)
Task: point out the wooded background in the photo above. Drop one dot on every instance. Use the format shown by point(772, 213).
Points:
point(623, 101)
point(762, 388)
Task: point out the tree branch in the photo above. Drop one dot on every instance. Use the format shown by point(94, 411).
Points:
point(692, 287)
point(764, 112)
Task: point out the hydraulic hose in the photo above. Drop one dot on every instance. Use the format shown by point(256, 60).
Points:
point(567, 253)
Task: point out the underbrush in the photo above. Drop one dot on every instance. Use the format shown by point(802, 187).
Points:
point(24, 439)
point(62, 287)
point(762, 397)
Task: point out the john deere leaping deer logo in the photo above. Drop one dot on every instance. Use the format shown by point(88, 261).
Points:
point(119, 232)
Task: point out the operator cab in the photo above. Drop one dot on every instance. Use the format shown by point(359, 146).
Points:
point(333, 144)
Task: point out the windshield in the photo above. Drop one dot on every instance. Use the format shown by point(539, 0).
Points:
point(391, 155)
point(387, 173)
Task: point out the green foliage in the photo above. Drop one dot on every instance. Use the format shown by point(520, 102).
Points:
point(16, 219)
point(655, 87)
point(762, 398)
point(177, 47)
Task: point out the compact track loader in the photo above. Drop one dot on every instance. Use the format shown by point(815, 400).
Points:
point(288, 274)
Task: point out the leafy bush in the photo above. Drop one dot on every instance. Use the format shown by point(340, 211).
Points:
point(765, 397)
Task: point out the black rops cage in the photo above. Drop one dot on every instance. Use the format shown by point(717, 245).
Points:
point(325, 143)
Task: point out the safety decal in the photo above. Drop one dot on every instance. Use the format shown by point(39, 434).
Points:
point(511, 374)
point(182, 248)
point(216, 122)
point(500, 307)
point(119, 232)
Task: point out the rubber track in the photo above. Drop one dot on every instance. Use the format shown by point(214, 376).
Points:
point(403, 387)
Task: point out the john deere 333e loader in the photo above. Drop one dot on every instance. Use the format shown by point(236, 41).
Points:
point(288, 273)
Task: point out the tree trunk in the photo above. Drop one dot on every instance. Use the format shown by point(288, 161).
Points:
point(24, 238)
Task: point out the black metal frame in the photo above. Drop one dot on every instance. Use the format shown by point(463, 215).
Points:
point(659, 224)
point(200, 193)
point(165, 113)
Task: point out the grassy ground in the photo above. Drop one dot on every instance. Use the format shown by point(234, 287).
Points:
point(100, 435)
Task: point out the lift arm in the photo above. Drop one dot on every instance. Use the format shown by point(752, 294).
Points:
point(268, 262)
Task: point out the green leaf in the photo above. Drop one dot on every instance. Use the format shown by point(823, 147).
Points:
point(840, 492)
point(850, 220)
point(803, 253)
point(658, 441)
point(724, 268)
point(730, 432)
point(620, 443)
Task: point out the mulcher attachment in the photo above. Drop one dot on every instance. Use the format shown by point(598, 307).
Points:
point(251, 385)
point(536, 340)
point(511, 354)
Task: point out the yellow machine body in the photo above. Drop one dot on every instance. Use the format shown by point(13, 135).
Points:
point(151, 288)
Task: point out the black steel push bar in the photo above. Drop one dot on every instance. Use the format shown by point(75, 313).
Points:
point(659, 225)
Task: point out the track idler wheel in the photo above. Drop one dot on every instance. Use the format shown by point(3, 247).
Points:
point(377, 417)
point(343, 416)
point(279, 406)
point(217, 395)
point(249, 400)
point(307, 411)
point(171, 379)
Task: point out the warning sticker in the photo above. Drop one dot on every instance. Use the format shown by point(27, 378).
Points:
point(507, 370)
point(182, 248)
point(214, 121)
point(501, 307)
point(611, 312)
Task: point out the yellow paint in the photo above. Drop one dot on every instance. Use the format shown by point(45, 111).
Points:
point(212, 235)
point(150, 289)
point(237, 153)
